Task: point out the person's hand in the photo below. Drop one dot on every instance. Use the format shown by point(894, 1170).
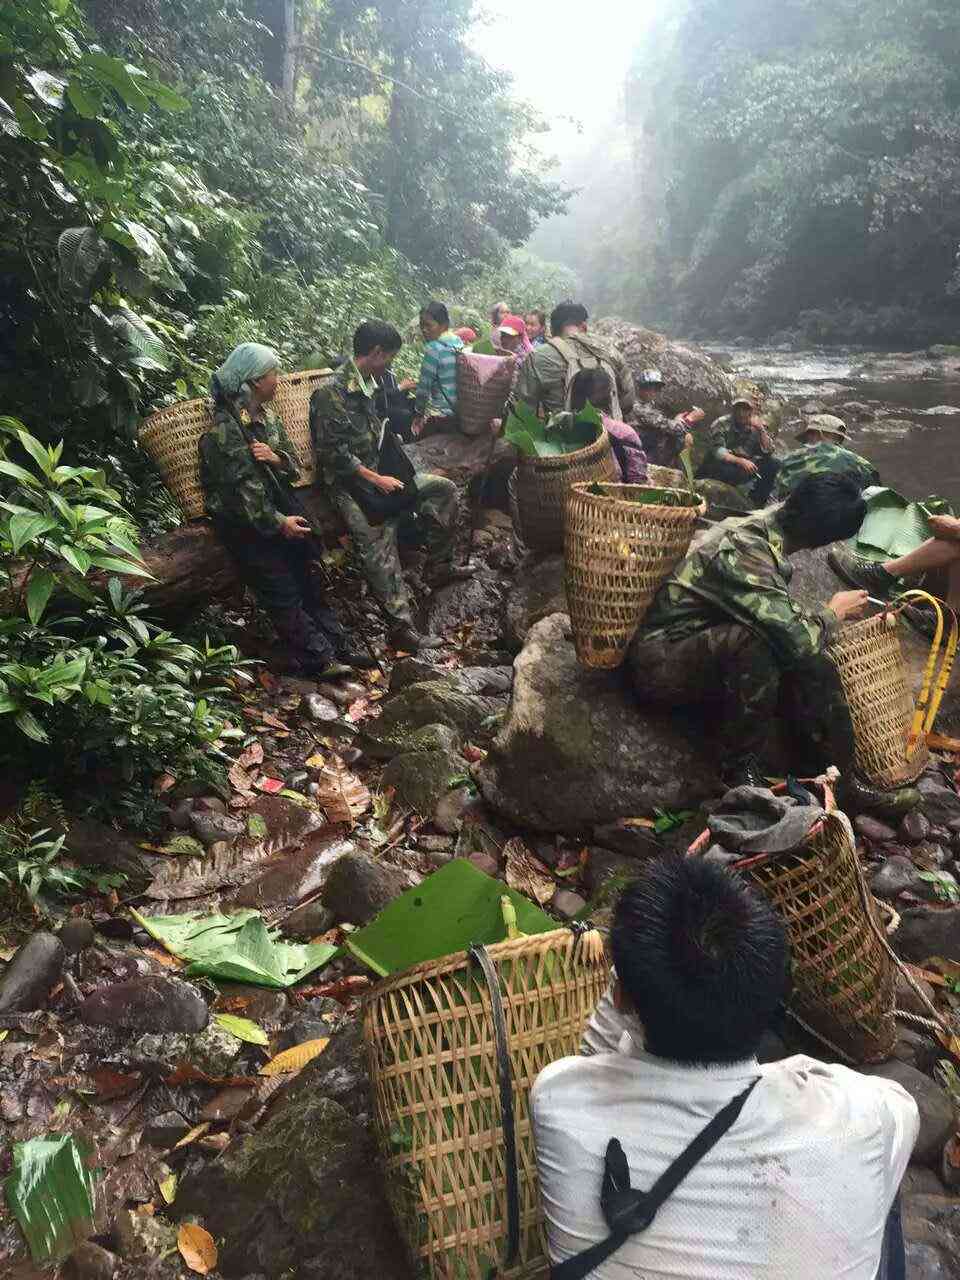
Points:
point(496, 426)
point(688, 441)
point(695, 415)
point(416, 426)
point(295, 527)
point(388, 484)
point(849, 604)
point(408, 384)
point(746, 465)
point(945, 527)
point(263, 453)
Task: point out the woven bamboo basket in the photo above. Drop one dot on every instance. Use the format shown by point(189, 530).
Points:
point(617, 552)
point(433, 1066)
point(541, 486)
point(843, 973)
point(171, 437)
point(869, 659)
point(665, 477)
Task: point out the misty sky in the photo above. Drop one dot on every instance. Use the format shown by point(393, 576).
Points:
point(547, 44)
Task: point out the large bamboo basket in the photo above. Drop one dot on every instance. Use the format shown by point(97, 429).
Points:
point(433, 1066)
point(171, 437)
point(843, 971)
point(617, 552)
point(869, 658)
point(540, 490)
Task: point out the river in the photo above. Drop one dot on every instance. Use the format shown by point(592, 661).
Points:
point(914, 449)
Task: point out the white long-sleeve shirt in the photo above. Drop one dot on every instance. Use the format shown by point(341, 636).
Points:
point(798, 1189)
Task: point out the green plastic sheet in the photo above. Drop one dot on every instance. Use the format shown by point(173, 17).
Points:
point(236, 948)
point(894, 525)
point(50, 1192)
point(448, 912)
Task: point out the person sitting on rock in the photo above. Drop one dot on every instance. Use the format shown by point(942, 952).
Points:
point(373, 484)
point(802, 1175)
point(741, 452)
point(247, 468)
point(724, 631)
point(593, 386)
point(824, 439)
point(664, 439)
point(547, 375)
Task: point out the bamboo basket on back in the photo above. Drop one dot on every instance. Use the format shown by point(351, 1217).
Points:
point(437, 1098)
point(171, 436)
point(618, 550)
point(540, 488)
point(889, 731)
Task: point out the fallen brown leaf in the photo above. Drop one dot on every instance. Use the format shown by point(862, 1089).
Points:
point(196, 1132)
point(295, 1059)
point(187, 1074)
point(343, 990)
point(251, 755)
point(267, 680)
point(163, 957)
point(114, 1084)
point(527, 874)
point(215, 1142)
point(267, 717)
point(164, 783)
point(342, 796)
point(197, 1248)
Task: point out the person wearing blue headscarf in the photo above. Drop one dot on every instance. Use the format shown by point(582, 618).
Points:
point(248, 466)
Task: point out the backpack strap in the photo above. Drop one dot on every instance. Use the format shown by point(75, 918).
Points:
point(629, 1212)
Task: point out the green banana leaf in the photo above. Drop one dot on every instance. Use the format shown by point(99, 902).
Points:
point(563, 433)
point(446, 913)
point(50, 1192)
point(894, 526)
point(236, 948)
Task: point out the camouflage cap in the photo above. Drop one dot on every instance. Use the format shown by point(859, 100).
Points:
point(745, 400)
point(827, 424)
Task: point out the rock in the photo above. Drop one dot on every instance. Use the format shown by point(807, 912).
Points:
point(460, 458)
point(359, 888)
point(260, 1004)
point(606, 868)
point(321, 708)
point(298, 780)
point(576, 750)
point(926, 1262)
point(139, 1235)
point(89, 1262)
point(210, 827)
point(430, 703)
point(307, 1184)
point(94, 844)
point(873, 830)
point(918, 1181)
point(908, 999)
point(949, 1172)
point(423, 778)
point(941, 803)
point(416, 670)
point(299, 875)
point(943, 351)
point(343, 694)
point(152, 1003)
point(449, 813)
point(308, 921)
point(936, 1110)
point(32, 974)
point(692, 377)
point(924, 933)
point(634, 842)
point(895, 875)
point(166, 1129)
point(212, 1051)
point(434, 844)
point(537, 592)
point(477, 600)
point(210, 804)
point(76, 935)
point(929, 856)
point(179, 817)
point(566, 903)
point(486, 863)
point(914, 828)
point(931, 1228)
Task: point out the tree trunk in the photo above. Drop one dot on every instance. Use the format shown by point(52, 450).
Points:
point(289, 52)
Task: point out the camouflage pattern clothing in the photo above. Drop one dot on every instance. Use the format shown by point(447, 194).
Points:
point(726, 435)
point(238, 490)
point(662, 437)
point(346, 430)
point(547, 373)
point(818, 459)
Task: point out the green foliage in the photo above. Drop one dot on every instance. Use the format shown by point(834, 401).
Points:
point(30, 857)
point(944, 886)
point(563, 433)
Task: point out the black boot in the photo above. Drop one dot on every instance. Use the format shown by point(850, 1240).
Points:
point(308, 647)
point(409, 638)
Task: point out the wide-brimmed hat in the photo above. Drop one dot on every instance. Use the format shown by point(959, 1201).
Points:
point(827, 424)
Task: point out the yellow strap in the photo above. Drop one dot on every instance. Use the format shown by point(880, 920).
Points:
point(928, 706)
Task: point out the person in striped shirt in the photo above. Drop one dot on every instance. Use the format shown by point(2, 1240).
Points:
point(436, 399)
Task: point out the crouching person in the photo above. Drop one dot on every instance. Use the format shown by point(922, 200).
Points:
point(712, 1166)
point(247, 469)
point(374, 485)
point(724, 632)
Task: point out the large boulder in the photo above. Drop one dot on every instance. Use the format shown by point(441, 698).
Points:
point(431, 702)
point(537, 592)
point(461, 458)
point(691, 376)
point(576, 749)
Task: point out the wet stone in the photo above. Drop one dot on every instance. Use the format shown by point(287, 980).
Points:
point(896, 875)
point(567, 904)
point(32, 974)
point(449, 813)
point(90, 1262)
point(321, 708)
point(151, 1003)
point(308, 921)
point(914, 827)
point(166, 1129)
point(359, 888)
point(179, 817)
point(76, 935)
point(873, 830)
point(210, 827)
point(209, 804)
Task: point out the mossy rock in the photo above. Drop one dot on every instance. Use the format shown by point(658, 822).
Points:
point(433, 703)
point(423, 778)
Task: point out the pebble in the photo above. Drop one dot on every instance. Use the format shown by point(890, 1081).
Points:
point(297, 780)
point(448, 815)
point(874, 830)
point(179, 817)
point(76, 935)
point(915, 827)
point(90, 1262)
point(209, 827)
point(152, 1003)
point(486, 863)
point(359, 887)
point(941, 803)
point(343, 694)
point(210, 804)
point(32, 974)
point(568, 904)
point(141, 1236)
point(308, 921)
point(321, 708)
point(166, 1130)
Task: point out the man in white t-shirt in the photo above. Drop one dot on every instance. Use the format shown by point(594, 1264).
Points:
point(799, 1187)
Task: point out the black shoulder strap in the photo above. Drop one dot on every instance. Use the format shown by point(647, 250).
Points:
point(628, 1212)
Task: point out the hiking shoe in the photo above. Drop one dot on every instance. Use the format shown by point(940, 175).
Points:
point(855, 796)
point(411, 639)
point(359, 659)
point(442, 575)
point(327, 669)
point(859, 572)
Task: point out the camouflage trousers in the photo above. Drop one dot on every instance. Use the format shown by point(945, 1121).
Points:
point(735, 674)
point(376, 544)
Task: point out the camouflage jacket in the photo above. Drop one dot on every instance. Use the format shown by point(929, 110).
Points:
point(236, 488)
point(345, 426)
point(819, 459)
point(662, 437)
point(743, 441)
point(739, 571)
point(546, 374)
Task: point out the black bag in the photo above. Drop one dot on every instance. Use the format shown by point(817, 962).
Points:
point(393, 461)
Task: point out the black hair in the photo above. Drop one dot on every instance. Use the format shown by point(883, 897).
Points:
point(593, 385)
point(375, 333)
point(541, 316)
point(436, 311)
point(703, 959)
point(823, 509)
point(567, 313)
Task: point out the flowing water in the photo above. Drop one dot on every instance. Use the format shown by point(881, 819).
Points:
point(915, 450)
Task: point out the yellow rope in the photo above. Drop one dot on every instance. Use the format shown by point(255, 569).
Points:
point(928, 706)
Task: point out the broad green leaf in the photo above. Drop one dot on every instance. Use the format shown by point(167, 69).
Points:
point(51, 1194)
point(520, 439)
point(24, 529)
point(39, 591)
point(86, 102)
point(62, 673)
point(7, 704)
point(81, 253)
point(37, 451)
point(115, 565)
point(894, 526)
point(164, 96)
point(75, 557)
point(11, 426)
point(113, 73)
point(29, 725)
point(242, 1028)
point(19, 473)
